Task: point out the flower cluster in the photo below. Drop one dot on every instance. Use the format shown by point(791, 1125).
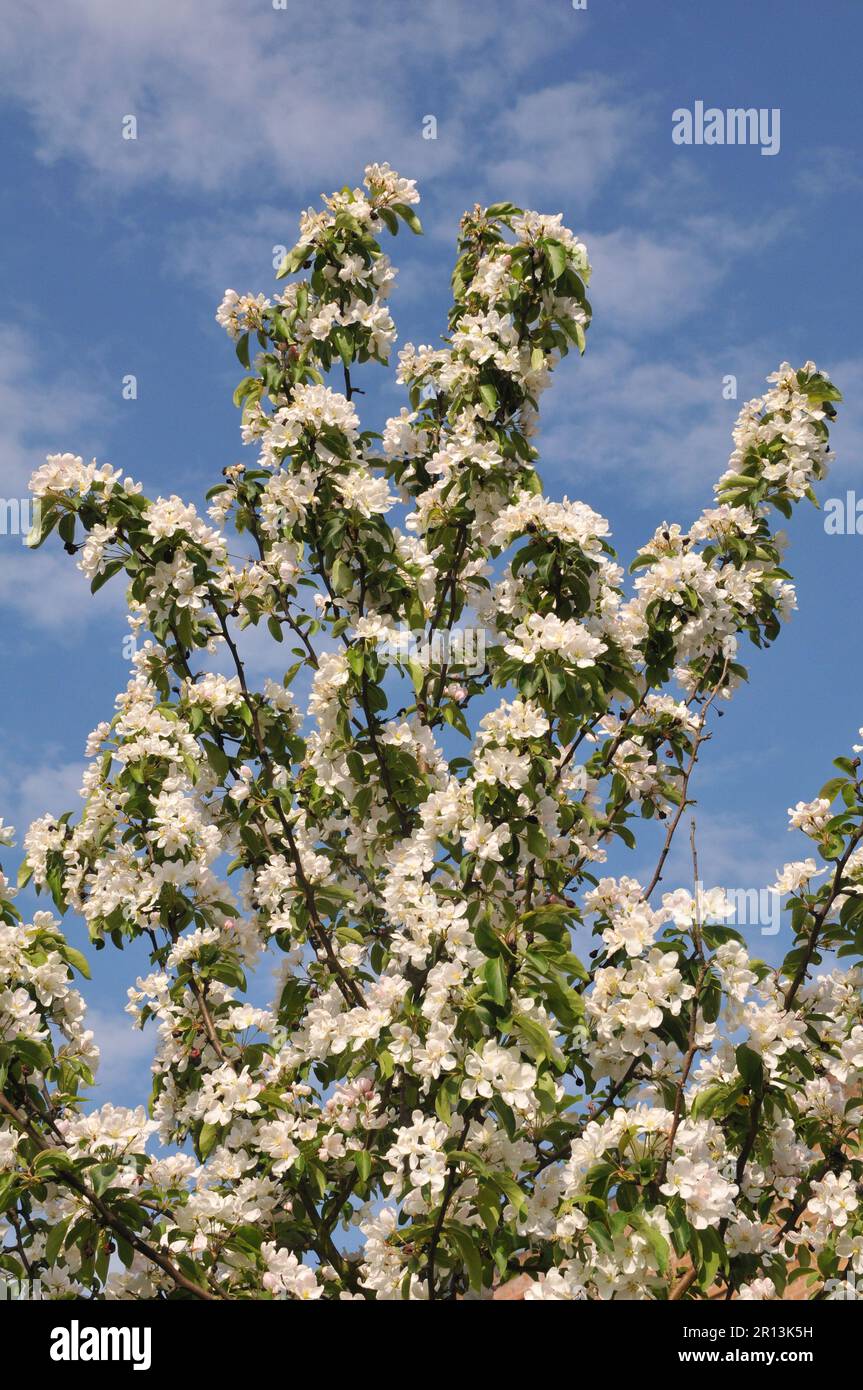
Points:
point(441, 1093)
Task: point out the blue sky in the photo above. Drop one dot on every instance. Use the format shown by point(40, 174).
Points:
point(708, 261)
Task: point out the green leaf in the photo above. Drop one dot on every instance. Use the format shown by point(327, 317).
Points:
point(125, 1251)
point(601, 1237)
point(473, 1161)
point(207, 1139)
point(486, 939)
point(713, 1256)
point(494, 975)
point(409, 217)
point(711, 998)
point(356, 659)
point(557, 258)
point(344, 347)
point(641, 561)
point(536, 841)
point(655, 1239)
point(535, 1035)
point(77, 961)
point(102, 1177)
point(512, 1190)
point(56, 1236)
point(443, 1104)
point(52, 1161)
point(216, 758)
point(43, 524)
point(751, 1068)
point(469, 1253)
point(35, 1054)
point(293, 260)
point(549, 921)
point(416, 673)
point(710, 1099)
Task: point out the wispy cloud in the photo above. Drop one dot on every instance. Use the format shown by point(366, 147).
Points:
point(624, 412)
point(829, 171)
point(847, 433)
point(48, 787)
point(303, 93)
point(563, 141)
point(652, 278)
point(47, 599)
point(42, 407)
point(41, 589)
point(126, 1054)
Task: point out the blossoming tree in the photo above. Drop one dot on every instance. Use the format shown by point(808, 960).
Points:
point(442, 1094)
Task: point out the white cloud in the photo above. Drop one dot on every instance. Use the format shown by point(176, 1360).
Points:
point(43, 589)
point(306, 94)
point(48, 788)
point(561, 142)
point(36, 421)
point(645, 278)
point(827, 172)
point(846, 436)
point(126, 1054)
point(661, 425)
point(640, 279)
point(656, 423)
point(48, 597)
point(733, 852)
point(235, 248)
point(259, 109)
